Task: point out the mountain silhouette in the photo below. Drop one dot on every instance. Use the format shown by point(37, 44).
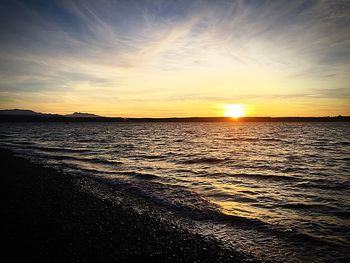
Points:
point(82, 115)
point(20, 112)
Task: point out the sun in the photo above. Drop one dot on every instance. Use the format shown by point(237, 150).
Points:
point(234, 110)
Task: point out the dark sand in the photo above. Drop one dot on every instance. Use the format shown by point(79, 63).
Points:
point(46, 217)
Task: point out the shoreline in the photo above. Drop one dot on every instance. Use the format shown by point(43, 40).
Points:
point(48, 217)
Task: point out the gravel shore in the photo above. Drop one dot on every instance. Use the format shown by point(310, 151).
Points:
point(48, 218)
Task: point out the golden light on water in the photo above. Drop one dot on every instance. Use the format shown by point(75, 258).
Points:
point(234, 110)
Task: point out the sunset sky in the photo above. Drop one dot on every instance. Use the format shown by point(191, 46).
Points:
point(176, 58)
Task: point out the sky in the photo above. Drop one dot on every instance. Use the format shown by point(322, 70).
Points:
point(176, 58)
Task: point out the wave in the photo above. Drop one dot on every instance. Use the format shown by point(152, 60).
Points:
point(173, 197)
point(180, 199)
point(139, 175)
point(343, 214)
point(6, 136)
point(346, 143)
point(291, 169)
point(151, 157)
point(54, 149)
point(234, 197)
point(29, 145)
point(303, 206)
point(86, 171)
point(324, 184)
point(346, 159)
point(100, 172)
point(49, 156)
point(252, 139)
point(20, 143)
point(208, 160)
point(193, 206)
point(92, 160)
point(257, 176)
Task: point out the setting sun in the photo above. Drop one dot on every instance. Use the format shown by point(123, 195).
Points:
point(234, 110)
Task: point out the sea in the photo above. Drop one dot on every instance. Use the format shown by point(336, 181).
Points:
point(276, 191)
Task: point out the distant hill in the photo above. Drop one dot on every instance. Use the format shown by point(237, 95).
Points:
point(18, 112)
point(82, 115)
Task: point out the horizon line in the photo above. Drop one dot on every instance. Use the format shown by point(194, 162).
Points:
point(172, 117)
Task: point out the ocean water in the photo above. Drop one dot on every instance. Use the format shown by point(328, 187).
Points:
point(277, 191)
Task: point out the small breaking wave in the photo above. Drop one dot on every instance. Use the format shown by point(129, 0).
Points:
point(147, 176)
point(69, 150)
point(80, 159)
point(195, 207)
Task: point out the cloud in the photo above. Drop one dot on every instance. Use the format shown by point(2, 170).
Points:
point(177, 50)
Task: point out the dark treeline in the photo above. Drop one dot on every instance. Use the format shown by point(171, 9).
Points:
point(7, 118)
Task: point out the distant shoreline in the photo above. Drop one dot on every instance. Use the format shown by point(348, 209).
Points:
point(19, 118)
